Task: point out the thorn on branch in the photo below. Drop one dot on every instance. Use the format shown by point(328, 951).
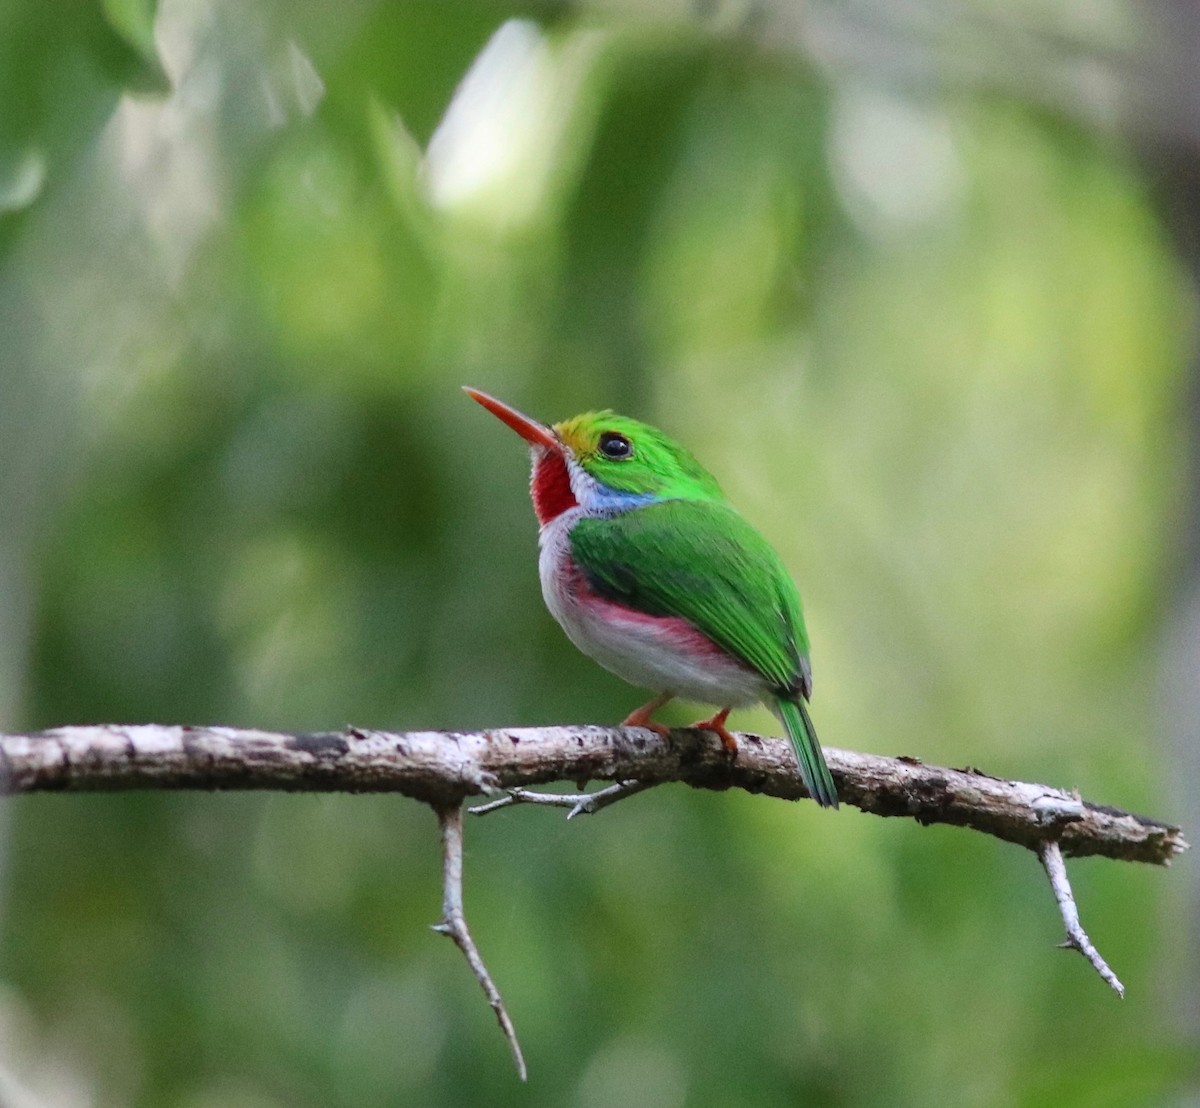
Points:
point(454, 924)
point(580, 804)
point(1077, 938)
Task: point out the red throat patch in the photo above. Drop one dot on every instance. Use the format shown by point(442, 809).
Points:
point(550, 486)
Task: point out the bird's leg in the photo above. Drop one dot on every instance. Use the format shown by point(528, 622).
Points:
point(716, 724)
point(640, 717)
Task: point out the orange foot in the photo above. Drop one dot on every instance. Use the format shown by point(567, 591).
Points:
point(640, 717)
point(716, 724)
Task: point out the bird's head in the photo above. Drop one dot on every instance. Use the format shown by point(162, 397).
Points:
point(602, 462)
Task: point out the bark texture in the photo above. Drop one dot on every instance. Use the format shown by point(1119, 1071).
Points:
point(444, 768)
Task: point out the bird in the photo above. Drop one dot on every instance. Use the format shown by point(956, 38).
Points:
point(652, 573)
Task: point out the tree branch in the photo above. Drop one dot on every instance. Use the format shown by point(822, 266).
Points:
point(454, 924)
point(445, 767)
point(1077, 939)
point(580, 804)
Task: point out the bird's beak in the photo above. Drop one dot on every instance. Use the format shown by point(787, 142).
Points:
point(529, 429)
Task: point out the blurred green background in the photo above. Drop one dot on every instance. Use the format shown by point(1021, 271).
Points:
point(908, 297)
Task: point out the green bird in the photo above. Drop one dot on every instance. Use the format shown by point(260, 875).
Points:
point(654, 574)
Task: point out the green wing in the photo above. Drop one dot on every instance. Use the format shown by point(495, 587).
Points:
point(702, 561)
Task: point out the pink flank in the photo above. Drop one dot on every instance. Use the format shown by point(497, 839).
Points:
point(674, 631)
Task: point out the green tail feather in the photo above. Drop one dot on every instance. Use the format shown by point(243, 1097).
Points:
point(817, 778)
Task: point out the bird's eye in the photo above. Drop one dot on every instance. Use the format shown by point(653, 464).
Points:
point(616, 446)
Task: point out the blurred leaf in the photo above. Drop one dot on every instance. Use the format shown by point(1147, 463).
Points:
point(133, 20)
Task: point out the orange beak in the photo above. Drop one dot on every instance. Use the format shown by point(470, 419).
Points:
point(529, 429)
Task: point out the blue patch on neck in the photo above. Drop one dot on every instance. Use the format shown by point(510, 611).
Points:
point(607, 499)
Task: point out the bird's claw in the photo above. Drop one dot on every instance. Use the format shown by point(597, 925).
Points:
point(716, 724)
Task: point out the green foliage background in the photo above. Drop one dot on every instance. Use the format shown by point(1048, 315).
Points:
point(932, 344)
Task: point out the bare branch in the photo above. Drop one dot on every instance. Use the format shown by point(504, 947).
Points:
point(454, 923)
point(581, 804)
point(1077, 939)
point(443, 768)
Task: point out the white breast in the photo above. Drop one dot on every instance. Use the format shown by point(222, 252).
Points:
point(658, 654)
